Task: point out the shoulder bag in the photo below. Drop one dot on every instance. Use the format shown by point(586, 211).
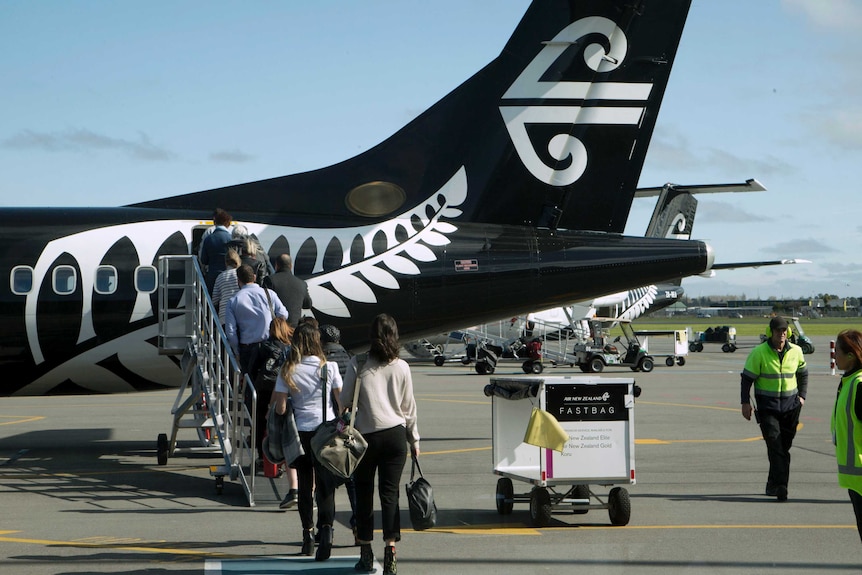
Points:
point(338, 448)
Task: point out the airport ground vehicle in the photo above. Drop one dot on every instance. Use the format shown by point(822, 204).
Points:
point(723, 334)
point(797, 336)
point(594, 355)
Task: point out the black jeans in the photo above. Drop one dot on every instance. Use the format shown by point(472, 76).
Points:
point(385, 456)
point(310, 473)
point(779, 429)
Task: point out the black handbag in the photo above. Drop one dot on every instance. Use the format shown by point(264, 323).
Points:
point(338, 447)
point(420, 499)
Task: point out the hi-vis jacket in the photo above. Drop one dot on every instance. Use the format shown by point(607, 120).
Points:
point(779, 379)
point(847, 433)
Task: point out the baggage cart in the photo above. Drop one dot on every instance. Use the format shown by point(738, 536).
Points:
point(597, 413)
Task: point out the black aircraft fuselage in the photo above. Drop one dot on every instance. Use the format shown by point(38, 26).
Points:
point(512, 192)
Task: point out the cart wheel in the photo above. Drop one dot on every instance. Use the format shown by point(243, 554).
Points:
point(807, 347)
point(439, 360)
point(680, 361)
point(699, 347)
point(465, 360)
point(219, 484)
point(505, 496)
point(733, 347)
point(481, 368)
point(581, 492)
point(540, 507)
point(597, 365)
point(647, 364)
point(669, 362)
point(619, 506)
point(692, 347)
point(162, 449)
point(725, 348)
point(584, 368)
point(526, 367)
point(537, 367)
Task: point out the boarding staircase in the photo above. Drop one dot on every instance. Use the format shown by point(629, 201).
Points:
point(215, 399)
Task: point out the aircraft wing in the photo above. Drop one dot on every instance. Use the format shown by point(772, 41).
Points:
point(751, 185)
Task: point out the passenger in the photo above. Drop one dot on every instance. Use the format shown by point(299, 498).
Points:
point(250, 251)
point(847, 418)
point(214, 248)
point(330, 337)
point(302, 378)
point(249, 314)
point(226, 285)
point(778, 371)
point(292, 291)
point(386, 417)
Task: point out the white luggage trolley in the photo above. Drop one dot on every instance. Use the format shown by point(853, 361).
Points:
point(598, 415)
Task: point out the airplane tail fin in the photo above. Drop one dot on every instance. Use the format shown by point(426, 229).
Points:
point(552, 133)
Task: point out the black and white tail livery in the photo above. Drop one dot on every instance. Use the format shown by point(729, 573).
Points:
point(510, 193)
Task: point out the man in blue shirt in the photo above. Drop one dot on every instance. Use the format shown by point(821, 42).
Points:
point(249, 314)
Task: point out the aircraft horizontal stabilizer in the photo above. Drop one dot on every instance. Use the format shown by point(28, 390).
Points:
point(751, 185)
point(759, 264)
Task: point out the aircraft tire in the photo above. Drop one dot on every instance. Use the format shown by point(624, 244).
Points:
point(619, 506)
point(505, 496)
point(540, 507)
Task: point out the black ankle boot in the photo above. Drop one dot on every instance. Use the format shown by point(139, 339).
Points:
point(390, 563)
point(307, 542)
point(366, 559)
point(325, 547)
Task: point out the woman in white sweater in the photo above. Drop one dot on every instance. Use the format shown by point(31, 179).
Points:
point(386, 418)
point(302, 377)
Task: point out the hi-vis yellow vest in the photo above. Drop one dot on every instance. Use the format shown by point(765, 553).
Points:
point(847, 434)
point(773, 377)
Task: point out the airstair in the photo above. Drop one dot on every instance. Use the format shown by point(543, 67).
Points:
point(211, 397)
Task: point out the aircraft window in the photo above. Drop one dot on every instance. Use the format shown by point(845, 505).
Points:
point(64, 279)
point(375, 199)
point(106, 279)
point(145, 279)
point(21, 280)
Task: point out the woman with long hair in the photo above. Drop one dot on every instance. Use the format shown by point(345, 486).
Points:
point(386, 418)
point(847, 418)
point(312, 383)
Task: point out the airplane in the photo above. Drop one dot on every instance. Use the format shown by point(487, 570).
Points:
point(513, 190)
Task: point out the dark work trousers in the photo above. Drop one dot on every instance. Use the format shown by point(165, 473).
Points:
point(385, 456)
point(779, 429)
point(310, 473)
point(856, 499)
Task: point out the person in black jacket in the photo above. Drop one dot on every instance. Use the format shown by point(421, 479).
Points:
point(291, 290)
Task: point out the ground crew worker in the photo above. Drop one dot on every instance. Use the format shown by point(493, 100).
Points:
point(778, 372)
point(847, 418)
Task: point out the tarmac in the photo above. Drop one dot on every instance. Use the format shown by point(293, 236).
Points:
point(81, 491)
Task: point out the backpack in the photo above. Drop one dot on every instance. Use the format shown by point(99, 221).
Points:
point(272, 354)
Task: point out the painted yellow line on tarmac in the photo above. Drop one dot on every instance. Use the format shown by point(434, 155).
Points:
point(630, 527)
point(419, 397)
point(18, 419)
point(108, 543)
point(640, 402)
point(448, 451)
point(669, 441)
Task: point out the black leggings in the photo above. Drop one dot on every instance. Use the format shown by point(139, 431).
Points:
point(856, 499)
point(385, 457)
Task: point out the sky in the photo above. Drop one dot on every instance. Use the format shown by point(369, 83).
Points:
point(110, 103)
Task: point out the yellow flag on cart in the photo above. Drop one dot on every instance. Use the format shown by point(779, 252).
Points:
point(545, 431)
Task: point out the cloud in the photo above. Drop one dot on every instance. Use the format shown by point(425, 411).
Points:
point(231, 156)
point(716, 212)
point(842, 127)
point(672, 151)
point(83, 141)
point(799, 247)
point(845, 15)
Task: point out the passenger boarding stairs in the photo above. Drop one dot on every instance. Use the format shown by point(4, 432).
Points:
point(211, 397)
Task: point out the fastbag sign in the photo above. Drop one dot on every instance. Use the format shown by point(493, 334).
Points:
point(594, 402)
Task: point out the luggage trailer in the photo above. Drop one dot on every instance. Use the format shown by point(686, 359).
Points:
point(598, 416)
